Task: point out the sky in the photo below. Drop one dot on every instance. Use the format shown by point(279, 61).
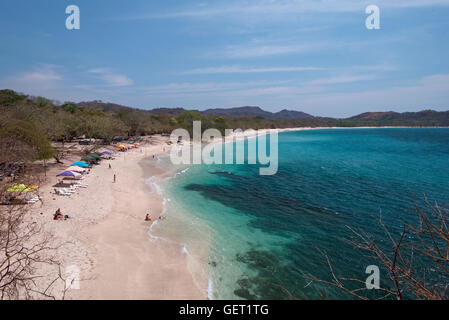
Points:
point(315, 56)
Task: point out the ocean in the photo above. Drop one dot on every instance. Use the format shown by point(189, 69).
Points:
point(261, 237)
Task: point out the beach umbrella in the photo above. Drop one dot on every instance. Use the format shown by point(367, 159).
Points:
point(95, 156)
point(70, 174)
point(76, 169)
point(21, 188)
point(80, 164)
point(89, 159)
point(108, 153)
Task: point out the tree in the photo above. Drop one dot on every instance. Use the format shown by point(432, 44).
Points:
point(27, 253)
point(107, 128)
point(135, 120)
point(9, 97)
point(32, 136)
point(13, 150)
point(24, 248)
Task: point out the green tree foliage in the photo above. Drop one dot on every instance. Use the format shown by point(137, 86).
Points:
point(30, 135)
point(8, 97)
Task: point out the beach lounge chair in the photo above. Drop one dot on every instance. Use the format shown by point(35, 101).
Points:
point(33, 200)
point(81, 185)
point(69, 190)
point(61, 193)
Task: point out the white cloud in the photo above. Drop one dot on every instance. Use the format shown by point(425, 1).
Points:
point(50, 81)
point(207, 87)
point(237, 69)
point(382, 67)
point(342, 79)
point(253, 51)
point(111, 78)
point(240, 69)
point(41, 80)
point(43, 73)
point(48, 75)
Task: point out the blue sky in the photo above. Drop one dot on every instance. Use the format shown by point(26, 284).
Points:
point(311, 55)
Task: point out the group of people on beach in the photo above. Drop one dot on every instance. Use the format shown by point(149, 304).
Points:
point(59, 216)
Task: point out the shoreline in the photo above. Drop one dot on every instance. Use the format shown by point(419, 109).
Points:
point(128, 264)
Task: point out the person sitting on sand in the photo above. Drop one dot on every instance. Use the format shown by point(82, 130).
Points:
point(148, 218)
point(57, 215)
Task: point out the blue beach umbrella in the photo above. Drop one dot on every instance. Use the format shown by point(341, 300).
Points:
point(80, 164)
point(108, 153)
point(68, 174)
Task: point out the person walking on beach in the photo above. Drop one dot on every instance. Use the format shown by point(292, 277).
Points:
point(110, 167)
point(114, 178)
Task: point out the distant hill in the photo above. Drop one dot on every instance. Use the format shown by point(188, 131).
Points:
point(167, 111)
point(390, 118)
point(240, 112)
point(442, 117)
point(258, 112)
point(289, 114)
point(103, 106)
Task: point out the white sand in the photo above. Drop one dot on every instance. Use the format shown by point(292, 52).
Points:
point(108, 237)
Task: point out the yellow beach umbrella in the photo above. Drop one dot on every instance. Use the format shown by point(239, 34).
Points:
point(21, 188)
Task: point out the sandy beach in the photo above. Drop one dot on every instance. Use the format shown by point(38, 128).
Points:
point(107, 237)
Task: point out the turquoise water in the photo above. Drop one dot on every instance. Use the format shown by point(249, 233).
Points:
point(264, 231)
